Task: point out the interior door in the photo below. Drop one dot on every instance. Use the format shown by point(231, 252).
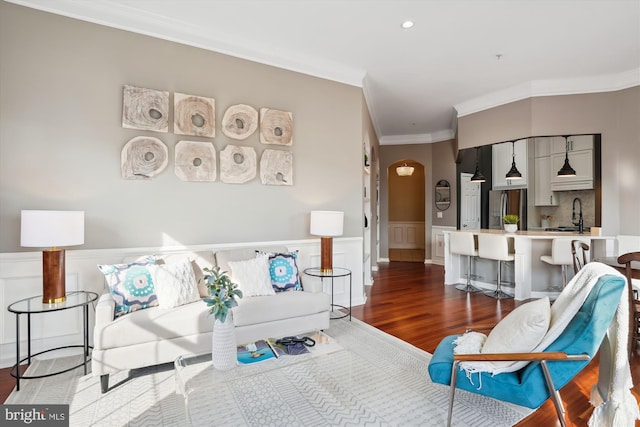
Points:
point(469, 203)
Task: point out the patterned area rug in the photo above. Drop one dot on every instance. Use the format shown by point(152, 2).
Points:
point(388, 385)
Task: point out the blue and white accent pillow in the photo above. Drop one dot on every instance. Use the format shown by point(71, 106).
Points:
point(131, 285)
point(284, 272)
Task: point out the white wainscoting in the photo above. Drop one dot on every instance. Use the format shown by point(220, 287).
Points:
point(21, 277)
point(406, 235)
point(437, 243)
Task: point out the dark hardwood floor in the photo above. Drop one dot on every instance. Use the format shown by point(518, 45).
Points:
point(409, 300)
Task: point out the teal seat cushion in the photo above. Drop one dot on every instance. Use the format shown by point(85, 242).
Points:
point(527, 387)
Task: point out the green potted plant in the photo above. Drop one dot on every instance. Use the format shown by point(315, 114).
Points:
point(222, 298)
point(223, 293)
point(511, 223)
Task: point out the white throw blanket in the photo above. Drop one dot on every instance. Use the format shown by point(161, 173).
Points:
point(621, 409)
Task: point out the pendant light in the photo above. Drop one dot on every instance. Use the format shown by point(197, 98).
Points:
point(513, 173)
point(566, 169)
point(405, 170)
point(477, 175)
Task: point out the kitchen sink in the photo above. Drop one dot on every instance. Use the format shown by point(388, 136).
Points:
point(567, 229)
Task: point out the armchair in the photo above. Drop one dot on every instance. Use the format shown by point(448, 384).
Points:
point(548, 370)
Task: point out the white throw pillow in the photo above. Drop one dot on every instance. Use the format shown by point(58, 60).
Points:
point(252, 276)
point(175, 283)
point(519, 332)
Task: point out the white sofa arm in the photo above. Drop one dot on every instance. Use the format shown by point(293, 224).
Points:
point(105, 310)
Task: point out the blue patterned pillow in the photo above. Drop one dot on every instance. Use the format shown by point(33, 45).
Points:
point(131, 285)
point(284, 272)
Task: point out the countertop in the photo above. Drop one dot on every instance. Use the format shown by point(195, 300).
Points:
point(537, 234)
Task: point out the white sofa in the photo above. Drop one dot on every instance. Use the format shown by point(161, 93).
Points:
point(154, 335)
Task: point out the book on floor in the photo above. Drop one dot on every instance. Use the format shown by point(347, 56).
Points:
point(255, 352)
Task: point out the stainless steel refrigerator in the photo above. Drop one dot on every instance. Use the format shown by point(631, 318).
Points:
point(503, 202)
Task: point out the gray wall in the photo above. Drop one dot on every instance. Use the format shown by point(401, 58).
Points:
point(444, 167)
point(615, 115)
point(60, 138)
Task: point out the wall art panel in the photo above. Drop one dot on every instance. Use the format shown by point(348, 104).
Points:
point(145, 109)
point(276, 127)
point(143, 157)
point(240, 121)
point(237, 164)
point(195, 161)
point(194, 115)
point(276, 167)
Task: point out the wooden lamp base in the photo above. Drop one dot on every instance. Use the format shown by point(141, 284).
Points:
point(53, 275)
point(326, 254)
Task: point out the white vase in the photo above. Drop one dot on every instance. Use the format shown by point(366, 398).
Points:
point(511, 228)
point(224, 347)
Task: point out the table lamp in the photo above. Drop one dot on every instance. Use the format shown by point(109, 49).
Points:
point(326, 224)
point(52, 229)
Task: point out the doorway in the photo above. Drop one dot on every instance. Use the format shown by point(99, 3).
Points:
point(406, 229)
point(469, 203)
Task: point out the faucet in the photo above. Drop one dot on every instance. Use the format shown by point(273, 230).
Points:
point(580, 222)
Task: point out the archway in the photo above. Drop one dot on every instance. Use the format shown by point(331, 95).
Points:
point(406, 211)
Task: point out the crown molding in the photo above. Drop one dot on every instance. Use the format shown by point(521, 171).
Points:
point(573, 86)
point(422, 138)
point(129, 18)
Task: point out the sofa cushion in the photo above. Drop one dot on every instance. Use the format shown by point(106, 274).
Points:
point(283, 305)
point(199, 261)
point(283, 270)
point(252, 276)
point(224, 256)
point(131, 285)
point(155, 324)
point(175, 283)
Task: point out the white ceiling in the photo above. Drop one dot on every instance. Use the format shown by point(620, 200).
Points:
point(461, 56)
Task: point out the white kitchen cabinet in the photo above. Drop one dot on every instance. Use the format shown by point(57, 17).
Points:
point(501, 164)
point(576, 143)
point(543, 195)
point(582, 162)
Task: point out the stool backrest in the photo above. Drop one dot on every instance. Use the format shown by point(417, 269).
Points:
point(493, 246)
point(462, 242)
point(561, 251)
point(578, 248)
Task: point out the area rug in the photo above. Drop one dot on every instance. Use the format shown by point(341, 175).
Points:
point(394, 389)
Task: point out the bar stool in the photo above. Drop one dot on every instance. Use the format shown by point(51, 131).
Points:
point(463, 243)
point(579, 247)
point(560, 255)
point(495, 247)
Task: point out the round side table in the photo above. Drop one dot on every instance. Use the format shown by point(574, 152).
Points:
point(335, 272)
point(34, 305)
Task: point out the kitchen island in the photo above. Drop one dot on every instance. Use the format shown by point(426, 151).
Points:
point(528, 276)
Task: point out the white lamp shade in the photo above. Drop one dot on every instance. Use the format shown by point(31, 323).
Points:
point(326, 223)
point(42, 229)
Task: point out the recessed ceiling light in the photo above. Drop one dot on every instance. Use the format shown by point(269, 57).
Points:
point(407, 24)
